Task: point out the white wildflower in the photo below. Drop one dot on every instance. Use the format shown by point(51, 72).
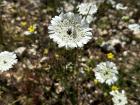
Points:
point(7, 60)
point(87, 9)
point(119, 98)
point(69, 30)
point(27, 33)
point(106, 72)
point(120, 6)
point(134, 27)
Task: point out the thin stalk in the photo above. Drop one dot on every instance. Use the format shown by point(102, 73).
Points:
point(87, 13)
point(1, 28)
point(77, 72)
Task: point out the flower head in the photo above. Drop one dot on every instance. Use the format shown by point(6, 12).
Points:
point(110, 56)
point(134, 27)
point(119, 98)
point(69, 30)
point(31, 30)
point(106, 72)
point(7, 60)
point(87, 9)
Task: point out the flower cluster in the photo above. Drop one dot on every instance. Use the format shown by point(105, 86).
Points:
point(106, 72)
point(68, 30)
point(119, 98)
point(72, 30)
point(87, 10)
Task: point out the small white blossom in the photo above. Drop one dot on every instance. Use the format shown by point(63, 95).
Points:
point(68, 30)
point(87, 9)
point(120, 6)
point(134, 27)
point(119, 98)
point(106, 72)
point(27, 33)
point(7, 60)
